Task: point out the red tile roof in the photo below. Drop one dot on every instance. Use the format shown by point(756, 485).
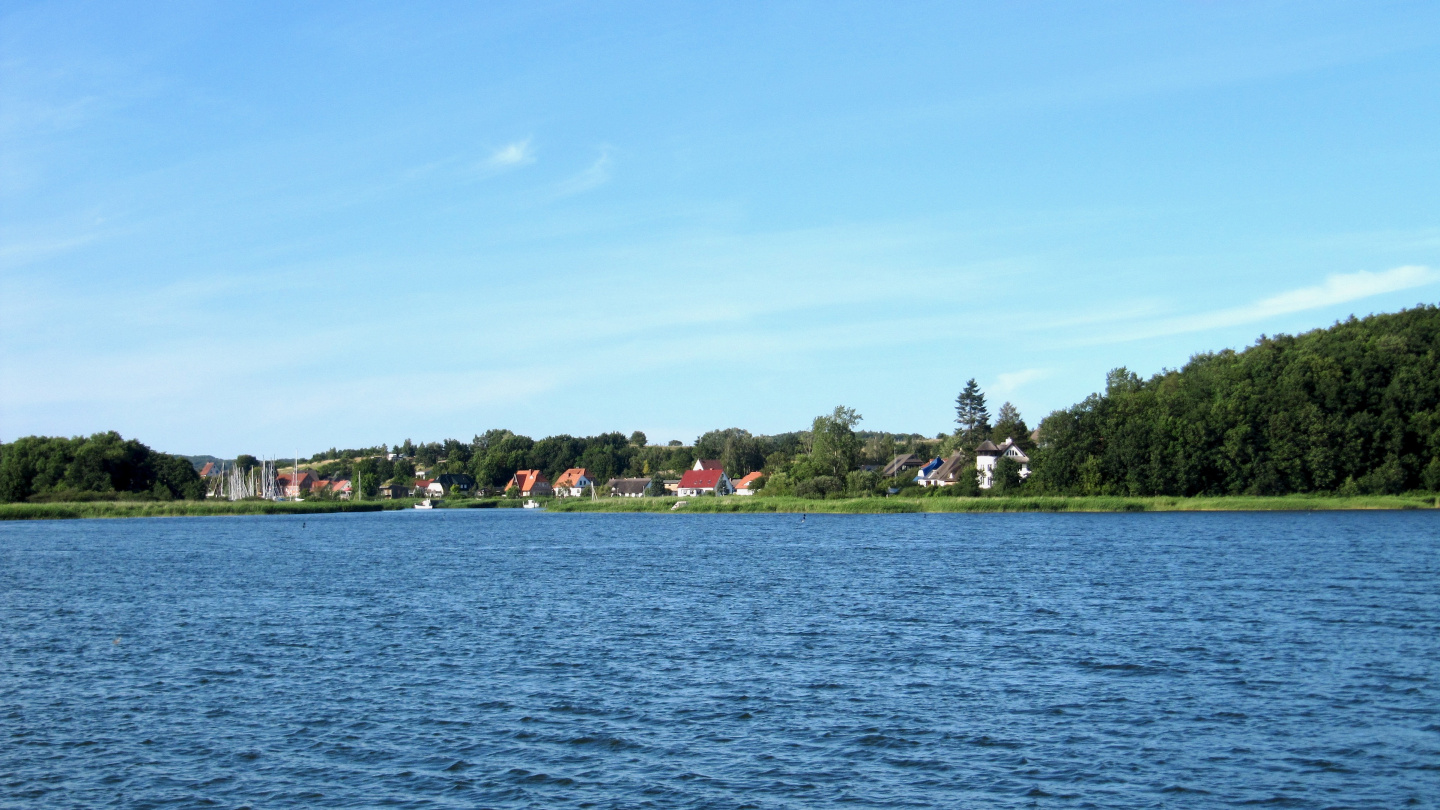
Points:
point(207, 469)
point(700, 479)
point(526, 480)
point(744, 483)
point(571, 477)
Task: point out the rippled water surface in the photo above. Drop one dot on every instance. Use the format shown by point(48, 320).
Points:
point(512, 659)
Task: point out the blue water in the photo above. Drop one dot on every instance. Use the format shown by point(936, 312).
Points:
point(512, 659)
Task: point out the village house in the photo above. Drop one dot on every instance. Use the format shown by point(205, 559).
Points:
point(900, 464)
point(294, 485)
point(628, 487)
point(704, 482)
point(341, 489)
point(454, 483)
point(573, 482)
point(208, 470)
point(987, 454)
point(946, 472)
point(707, 464)
point(529, 483)
point(749, 484)
point(391, 491)
point(429, 488)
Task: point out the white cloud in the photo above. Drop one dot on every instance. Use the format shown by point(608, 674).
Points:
point(1337, 289)
point(512, 155)
point(596, 175)
point(1007, 382)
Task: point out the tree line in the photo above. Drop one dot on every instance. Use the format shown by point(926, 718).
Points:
point(1352, 409)
point(101, 466)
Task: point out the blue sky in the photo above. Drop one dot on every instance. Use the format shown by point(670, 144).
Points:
point(228, 229)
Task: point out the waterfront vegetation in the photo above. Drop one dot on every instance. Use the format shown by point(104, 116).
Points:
point(1345, 417)
point(1100, 503)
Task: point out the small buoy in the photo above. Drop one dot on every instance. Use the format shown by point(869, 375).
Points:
point(116, 641)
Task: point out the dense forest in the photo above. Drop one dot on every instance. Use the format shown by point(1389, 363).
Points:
point(102, 466)
point(1351, 409)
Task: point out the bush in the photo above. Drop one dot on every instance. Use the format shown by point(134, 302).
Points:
point(819, 487)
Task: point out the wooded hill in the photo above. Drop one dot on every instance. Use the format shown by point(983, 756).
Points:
point(103, 466)
point(1353, 409)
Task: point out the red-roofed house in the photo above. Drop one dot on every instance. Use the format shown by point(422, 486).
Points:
point(705, 482)
point(529, 483)
point(428, 487)
point(746, 485)
point(573, 482)
point(208, 470)
point(293, 485)
point(341, 489)
point(708, 464)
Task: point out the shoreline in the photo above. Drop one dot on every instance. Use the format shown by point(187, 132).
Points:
point(741, 505)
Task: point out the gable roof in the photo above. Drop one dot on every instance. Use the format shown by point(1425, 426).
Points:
point(526, 480)
point(701, 479)
point(629, 486)
point(744, 483)
point(987, 447)
point(572, 476)
point(901, 463)
point(207, 469)
point(949, 471)
point(708, 464)
point(456, 479)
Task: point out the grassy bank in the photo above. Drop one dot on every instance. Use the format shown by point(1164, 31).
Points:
point(126, 509)
point(123, 509)
point(852, 506)
point(1036, 504)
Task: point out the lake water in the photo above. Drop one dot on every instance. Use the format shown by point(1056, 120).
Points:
point(499, 658)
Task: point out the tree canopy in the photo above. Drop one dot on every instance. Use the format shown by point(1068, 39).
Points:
point(1353, 408)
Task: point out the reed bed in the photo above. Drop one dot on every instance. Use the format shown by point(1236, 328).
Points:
point(1239, 503)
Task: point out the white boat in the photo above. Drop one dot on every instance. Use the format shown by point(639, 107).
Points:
point(532, 504)
point(425, 504)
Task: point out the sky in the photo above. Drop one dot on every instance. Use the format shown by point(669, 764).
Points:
point(285, 227)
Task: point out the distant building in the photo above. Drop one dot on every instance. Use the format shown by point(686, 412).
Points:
point(707, 464)
point(947, 472)
point(530, 483)
point(390, 491)
point(208, 470)
point(705, 482)
point(573, 482)
point(628, 487)
point(987, 454)
point(294, 485)
point(748, 484)
point(452, 483)
point(341, 489)
point(672, 485)
point(900, 464)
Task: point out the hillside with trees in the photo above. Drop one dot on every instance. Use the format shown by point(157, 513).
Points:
point(99, 467)
point(1353, 409)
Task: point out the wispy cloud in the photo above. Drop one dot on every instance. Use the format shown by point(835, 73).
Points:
point(596, 175)
point(1337, 289)
point(1007, 382)
point(511, 155)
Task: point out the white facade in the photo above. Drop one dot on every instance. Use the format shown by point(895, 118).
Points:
point(986, 458)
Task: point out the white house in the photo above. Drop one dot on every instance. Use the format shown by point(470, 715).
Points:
point(987, 454)
point(705, 482)
point(573, 482)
